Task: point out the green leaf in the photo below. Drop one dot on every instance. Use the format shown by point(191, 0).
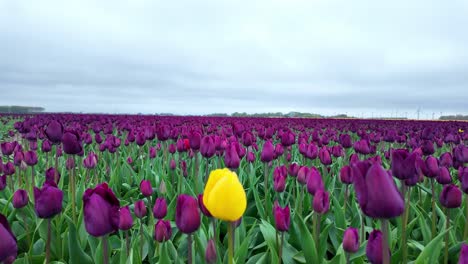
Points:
point(269, 233)
point(432, 250)
point(77, 255)
point(308, 245)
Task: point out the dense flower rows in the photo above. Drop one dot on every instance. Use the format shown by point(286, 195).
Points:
point(153, 189)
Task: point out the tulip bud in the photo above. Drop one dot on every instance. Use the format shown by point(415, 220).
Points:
point(250, 157)
point(345, 141)
point(172, 164)
point(54, 132)
point(50, 175)
point(207, 147)
point(279, 180)
point(210, 252)
point(314, 181)
point(140, 209)
point(463, 258)
point(3, 182)
point(321, 203)
point(460, 153)
point(374, 247)
point(202, 206)
point(351, 240)
point(8, 148)
point(101, 210)
point(70, 163)
point(268, 152)
point(403, 164)
point(125, 219)
point(145, 188)
point(187, 214)
point(129, 160)
point(446, 160)
point(451, 196)
point(30, 157)
point(282, 217)
point(376, 192)
point(71, 143)
point(162, 230)
point(160, 208)
point(46, 146)
point(444, 176)
point(90, 161)
point(293, 169)
point(18, 158)
point(48, 200)
point(346, 175)
point(20, 199)
point(8, 246)
point(312, 151)
point(324, 156)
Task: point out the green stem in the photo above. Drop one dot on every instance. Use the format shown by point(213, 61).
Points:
point(230, 242)
point(465, 234)
point(404, 218)
point(433, 228)
point(72, 182)
point(345, 200)
point(447, 226)
point(141, 239)
point(385, 255)
point(348, 258)
point(281, 248)
point(127, 242)
point(49, 238)
point(56, 164)
point(189, 249)
point(105, 250)
point(265, 183)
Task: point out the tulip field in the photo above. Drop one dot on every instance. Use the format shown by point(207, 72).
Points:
point(122, 189)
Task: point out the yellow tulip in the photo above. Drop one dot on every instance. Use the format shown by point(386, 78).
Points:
point(224, 195)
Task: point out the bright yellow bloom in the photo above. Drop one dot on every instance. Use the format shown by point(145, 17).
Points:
point(460, 130)
point(224, 195)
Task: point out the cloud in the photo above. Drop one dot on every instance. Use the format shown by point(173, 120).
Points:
point(225, 56)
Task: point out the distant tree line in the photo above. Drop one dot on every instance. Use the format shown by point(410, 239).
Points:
point(16, 109)
point(454, 117)
point(279, 114)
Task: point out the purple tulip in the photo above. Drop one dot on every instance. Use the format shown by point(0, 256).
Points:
point(90, 161)
point(463, 258)
point(162, 230)
point(18, 158)
point(303, 174)
point(403, 164)
point(346, 175)
point(140, 209)
point(145, 188)
point(8, 246)
point(446, 160)
point(3, 182)
point(71, 143)
point(314, 181)
point(444, 176)
point(374, 247)
point(30, 157)
point(451, 196)
point(50, 175)
point(70, 163)
point(187, 214)
point(463, 177)
point(282, 217)
point(125, 219)
point(46, 146)
point(250, 157)
point(48, 200)
point(345, 141)
point(8, 148)
point(20, 199)
point(9, 168)
point(293, 169)
point(160, 208)
point(207, 147)
point(268, 152)
point(210, 252)
point(202, 206)
point(351, 240)
point(312, 151)
point(321, 203)
point(172, 164)
point(362, 147)
point(279, 179)
point(324, 156)
point(460, 153)
point(101, 210)
point(54, 132)
point(376, 192)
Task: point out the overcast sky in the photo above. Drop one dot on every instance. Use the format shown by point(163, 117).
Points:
point(196, 57)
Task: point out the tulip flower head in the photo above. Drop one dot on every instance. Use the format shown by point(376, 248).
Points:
point(8, 246)
point(224, 195)
point(282, 217)
point(351, 240)
point(101, 210)
point(162, 230)
point(48, 200)
point(187, 214)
